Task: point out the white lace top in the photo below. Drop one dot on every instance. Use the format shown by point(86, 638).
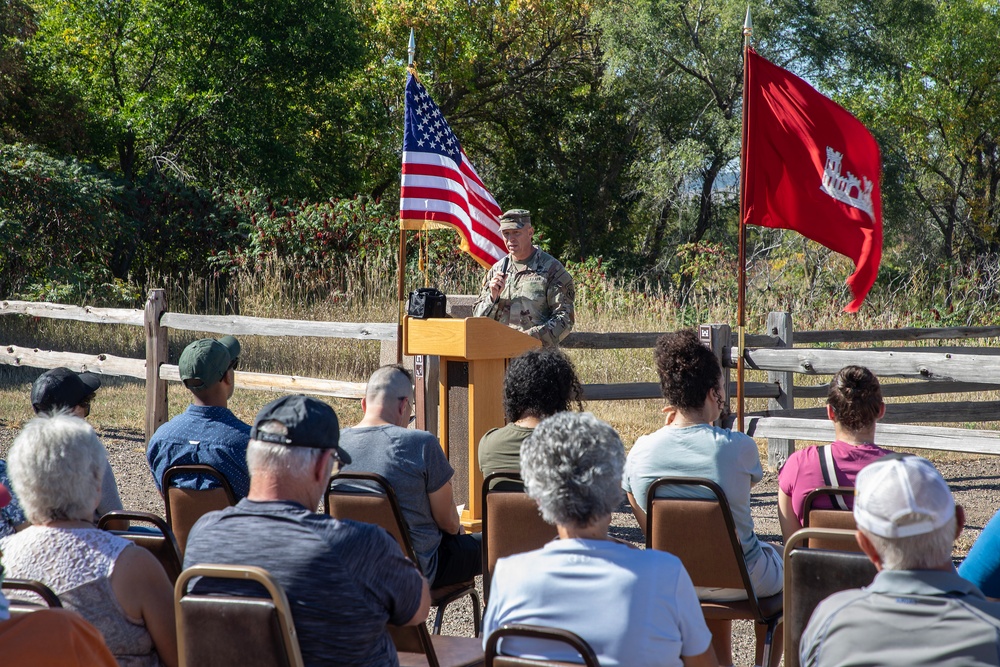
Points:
point(76, 563)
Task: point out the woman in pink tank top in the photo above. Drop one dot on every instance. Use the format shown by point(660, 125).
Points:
point(854, 404)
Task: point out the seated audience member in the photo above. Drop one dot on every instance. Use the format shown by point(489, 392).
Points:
point(207, 432)
point(345, 580)
point(538, 384)
point(689, 445)
point(918, 611)
point(56, 464)
point(12, 516)
point(50, 637)
point(982, 565)
point(854, 404)
point(61, 389)
point(634, 607)
point(53, 638)
point(415, 466)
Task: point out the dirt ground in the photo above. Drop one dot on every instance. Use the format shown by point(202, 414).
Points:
point(975, 483)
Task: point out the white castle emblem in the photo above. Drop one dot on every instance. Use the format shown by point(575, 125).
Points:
point(847, 188)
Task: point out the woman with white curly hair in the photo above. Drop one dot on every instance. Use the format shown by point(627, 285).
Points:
point(634, 607)
point(56, 465)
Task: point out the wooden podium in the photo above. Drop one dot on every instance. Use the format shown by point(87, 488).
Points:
point(486, 345)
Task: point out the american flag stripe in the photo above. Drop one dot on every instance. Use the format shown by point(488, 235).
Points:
point(429, 183)
point(439, 184)
point(426, 184)
point(438, 209)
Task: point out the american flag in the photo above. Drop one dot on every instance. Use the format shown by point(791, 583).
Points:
point(439, 183)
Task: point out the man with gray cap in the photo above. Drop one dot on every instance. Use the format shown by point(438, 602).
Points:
point(345, 580)
point(207, 432)
point(528, 289)
point(918, 611)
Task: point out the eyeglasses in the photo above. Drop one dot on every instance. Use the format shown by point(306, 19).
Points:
point(413, 417)
point(234, 364)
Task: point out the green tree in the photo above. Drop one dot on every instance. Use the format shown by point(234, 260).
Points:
point(211, 90)
point(926, 77)
point(679, 68)
point(520, 85)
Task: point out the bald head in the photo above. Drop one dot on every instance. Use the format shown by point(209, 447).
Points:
point(389, 396)
point(389, 382)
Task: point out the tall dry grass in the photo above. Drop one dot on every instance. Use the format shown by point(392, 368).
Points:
point(365, 291)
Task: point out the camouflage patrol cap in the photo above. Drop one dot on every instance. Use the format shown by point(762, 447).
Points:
point(516, 218)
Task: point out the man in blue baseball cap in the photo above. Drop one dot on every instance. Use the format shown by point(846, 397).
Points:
point(345, 580)
point(207, 432)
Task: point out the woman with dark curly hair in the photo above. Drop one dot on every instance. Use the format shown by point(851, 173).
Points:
point(854, 404)
point(689, 445)
point(538, 384)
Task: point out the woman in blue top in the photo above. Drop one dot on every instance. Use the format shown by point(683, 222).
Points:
point(689, 445)
point(636, 608)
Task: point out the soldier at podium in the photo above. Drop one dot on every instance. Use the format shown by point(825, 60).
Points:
point(528, 289)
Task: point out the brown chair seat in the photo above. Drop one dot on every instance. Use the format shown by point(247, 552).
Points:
point(834, 517)
point(46, 597)
point(702, 534)
point(570, 639)
point(231, 629)
point(812, 575)
point(448, 652)
point(374, 501)
point(163, 544)
point(185, 506)
point(511, 522)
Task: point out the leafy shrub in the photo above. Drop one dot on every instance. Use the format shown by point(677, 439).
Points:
point(59, 222)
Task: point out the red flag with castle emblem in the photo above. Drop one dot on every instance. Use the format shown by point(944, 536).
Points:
point(812, 167)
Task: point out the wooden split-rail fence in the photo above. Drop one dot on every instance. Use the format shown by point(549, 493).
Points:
point(780, 351)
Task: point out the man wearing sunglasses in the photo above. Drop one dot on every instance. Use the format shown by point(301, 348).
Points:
point(207, 432)
point(64, 390)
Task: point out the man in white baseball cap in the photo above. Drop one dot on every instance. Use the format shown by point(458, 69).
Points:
point(917, 611)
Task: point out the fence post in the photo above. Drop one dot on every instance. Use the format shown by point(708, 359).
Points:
point(779, 449)
point(716, 337)
point(156, 354)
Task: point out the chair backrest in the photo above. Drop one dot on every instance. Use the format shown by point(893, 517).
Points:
point(161, 544)
point(511, 522)
point(368, 497)
point(829, 517)
point(699, 531)
point(48, 598)
point(185, 506)
point(234, 629)
point(812, 575)
point(570, 639)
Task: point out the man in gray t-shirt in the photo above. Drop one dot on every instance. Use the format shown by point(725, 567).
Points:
point(418, 471)
point(345, 580)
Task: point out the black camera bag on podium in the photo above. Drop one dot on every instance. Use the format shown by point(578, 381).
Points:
point(427, 302)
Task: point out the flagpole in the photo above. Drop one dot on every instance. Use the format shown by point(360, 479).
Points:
point(742, 283)
point(400, 277)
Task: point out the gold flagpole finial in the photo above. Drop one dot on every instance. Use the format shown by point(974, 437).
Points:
point(747, 28)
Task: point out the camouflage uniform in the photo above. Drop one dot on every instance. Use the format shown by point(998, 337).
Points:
point(537, 298)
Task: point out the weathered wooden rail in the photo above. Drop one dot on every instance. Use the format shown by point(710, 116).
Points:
point(779, 351)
